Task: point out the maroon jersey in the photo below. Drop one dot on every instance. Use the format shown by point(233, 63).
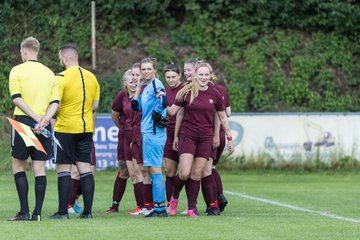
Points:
point(138, 114)
point(216, 153)
point(199, 115)
point(170, 95)
point(224, 94)
point(225, 97)
point(128, 113)
point(118, 107)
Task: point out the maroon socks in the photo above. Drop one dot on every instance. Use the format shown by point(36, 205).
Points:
point(138, 192)
point(169, 187)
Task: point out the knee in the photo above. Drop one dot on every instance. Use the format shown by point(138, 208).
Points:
point(18, 166)
point(132, 176)
point(124, 174)
point(139, 177)
point(207, 172)
point(184, 175)
point(169, 171)
point(196, 174)
point(145, 173)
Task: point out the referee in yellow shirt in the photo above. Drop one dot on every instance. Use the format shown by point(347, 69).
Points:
point(34, 91)
point(79, 93)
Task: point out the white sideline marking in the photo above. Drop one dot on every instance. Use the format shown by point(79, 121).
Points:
point(325, 214)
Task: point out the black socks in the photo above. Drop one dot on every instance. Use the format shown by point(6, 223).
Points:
point(22, 188)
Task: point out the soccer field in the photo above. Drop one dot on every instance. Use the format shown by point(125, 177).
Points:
point(262, 205)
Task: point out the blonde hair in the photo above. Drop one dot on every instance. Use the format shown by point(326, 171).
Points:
point(193, 87)
point(31, 43)
point(212, 74)
point(125, 78)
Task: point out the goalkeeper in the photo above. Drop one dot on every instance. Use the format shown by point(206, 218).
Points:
point(153, 102)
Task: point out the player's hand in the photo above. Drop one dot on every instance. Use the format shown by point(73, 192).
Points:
point(230, 146)
point(216, 141)
point(175, 145)
point(159, 120)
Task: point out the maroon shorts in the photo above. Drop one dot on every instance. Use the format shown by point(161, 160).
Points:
point(137, 143)
point(199, 146)
point(120, 146)
point(168, 151)
point(132, 147)
point(216, 153)
point(93, 155)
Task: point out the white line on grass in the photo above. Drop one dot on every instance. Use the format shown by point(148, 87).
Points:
point(325, 214)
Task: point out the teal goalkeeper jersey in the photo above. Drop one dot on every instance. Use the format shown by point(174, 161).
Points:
point(150, 101)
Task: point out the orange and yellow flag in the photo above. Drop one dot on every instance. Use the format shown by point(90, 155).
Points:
point(27, 135)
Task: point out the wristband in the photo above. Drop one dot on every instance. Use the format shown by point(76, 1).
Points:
point(229, 138)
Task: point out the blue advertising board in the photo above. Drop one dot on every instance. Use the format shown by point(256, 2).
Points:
point(105, 139)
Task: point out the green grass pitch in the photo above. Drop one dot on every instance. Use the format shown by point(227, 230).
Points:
point(331, 192)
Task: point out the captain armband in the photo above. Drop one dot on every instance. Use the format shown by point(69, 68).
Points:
point(164, 101)
point(161, 95)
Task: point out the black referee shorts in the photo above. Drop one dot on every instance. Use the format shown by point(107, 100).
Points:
point(76, 147)
point(20, 151)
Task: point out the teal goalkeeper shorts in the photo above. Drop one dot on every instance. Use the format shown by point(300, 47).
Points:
point(153, 148)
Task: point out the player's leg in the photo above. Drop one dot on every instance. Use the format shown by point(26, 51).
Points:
point(75, 191)
point(119, 186)
point(138, 165)
point(153, 161)
point(209, 190)
point(185, 163)
point(147, 188)
point(171, 158)
point(187, 149)
point(158, 189)
point(194, 186)
point(137, 179)
point(170, 171)
point(216, 176)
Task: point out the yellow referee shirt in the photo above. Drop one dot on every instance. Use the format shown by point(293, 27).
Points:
point(35, 84)
point(78, 88)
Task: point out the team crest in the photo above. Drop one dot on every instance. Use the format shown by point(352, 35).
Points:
point(211, 101)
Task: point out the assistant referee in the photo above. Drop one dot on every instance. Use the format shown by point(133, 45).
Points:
point(34, 92)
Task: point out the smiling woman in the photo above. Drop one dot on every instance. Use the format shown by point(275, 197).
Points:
point(202, 77)
point(200, 101)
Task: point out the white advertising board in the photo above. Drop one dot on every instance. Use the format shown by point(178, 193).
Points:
point(285, 136)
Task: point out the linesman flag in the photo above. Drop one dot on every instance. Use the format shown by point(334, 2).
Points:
point(27, 135)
